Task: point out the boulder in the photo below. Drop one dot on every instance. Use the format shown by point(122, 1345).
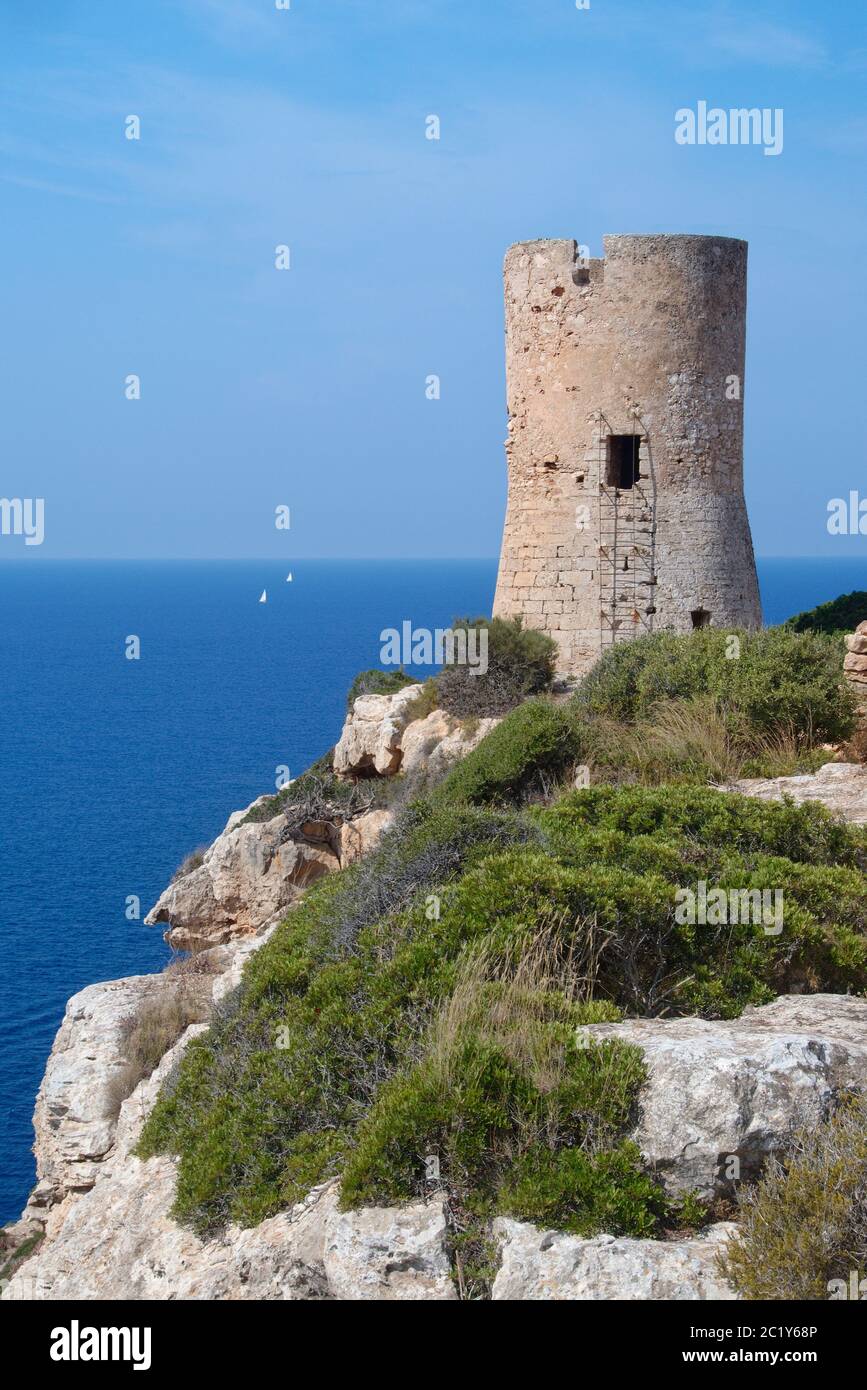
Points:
point(370, 743)
point(379, 738)
point(735, 1089)
point(842, 787)
point(361, 835)
point(432, 745)
point(389, 1253)
point(553, 1266)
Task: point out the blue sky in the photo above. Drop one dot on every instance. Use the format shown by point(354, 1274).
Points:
point(307, 127)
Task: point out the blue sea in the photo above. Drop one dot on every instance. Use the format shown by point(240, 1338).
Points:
point(112, 769)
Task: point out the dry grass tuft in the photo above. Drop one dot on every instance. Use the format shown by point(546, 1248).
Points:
point(805, 1223)
point(183, 998)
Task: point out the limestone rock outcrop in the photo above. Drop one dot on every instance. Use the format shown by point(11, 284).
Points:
point(369, 744)
point(253, 873)
point(553, 1266)
point(715, 1090)
point(439, 740)
point(380, 738)
point(75, 1113)
point(389, 1253)
point(842, 787)
point(736, 1089)
point(361, 835)
point(106, 1214)
point(247, 880)
point(118, 1240)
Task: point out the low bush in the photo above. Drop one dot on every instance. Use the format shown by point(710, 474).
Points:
point(530, 751)
point(782, 681)
point(519, 1116)
point(623, 928)
point(314, 797)
point(804, 1226)
point(428, 844)
point(377, 682)
point(707, 819)
point(366, 1035)
point(521, 663)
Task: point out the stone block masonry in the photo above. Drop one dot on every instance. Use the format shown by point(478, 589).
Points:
point(625, 381)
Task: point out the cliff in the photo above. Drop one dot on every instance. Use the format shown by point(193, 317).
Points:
point(732, 1087)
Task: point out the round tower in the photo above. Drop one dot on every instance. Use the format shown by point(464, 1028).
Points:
point(625, 381)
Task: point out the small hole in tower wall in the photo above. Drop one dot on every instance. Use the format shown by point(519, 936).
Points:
point(622, 464)
point(700, 617)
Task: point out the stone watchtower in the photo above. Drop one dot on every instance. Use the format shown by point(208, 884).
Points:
point(625, 379)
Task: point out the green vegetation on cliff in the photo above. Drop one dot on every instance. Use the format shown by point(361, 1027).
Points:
point(432, 1000)
point(842, 614)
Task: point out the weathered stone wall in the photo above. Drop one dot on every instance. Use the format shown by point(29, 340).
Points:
point(641, 342)
point(855, 670)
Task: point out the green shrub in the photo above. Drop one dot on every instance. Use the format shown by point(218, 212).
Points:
point(842, 614)
point(521, 663)
point(805, 1224)
point(572, 1190)
point(782, 680)
point(502, 1144)
point(621, 925)
point(708, 820)
point(377, 682)
point(532, 748)
point(427, 845)
point(366, 1035)
point(501, 1076)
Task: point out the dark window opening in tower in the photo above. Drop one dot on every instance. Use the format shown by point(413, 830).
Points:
point(700, 617)
point(623, 460)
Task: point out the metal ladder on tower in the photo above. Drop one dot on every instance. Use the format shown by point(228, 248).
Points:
point(627, 546)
